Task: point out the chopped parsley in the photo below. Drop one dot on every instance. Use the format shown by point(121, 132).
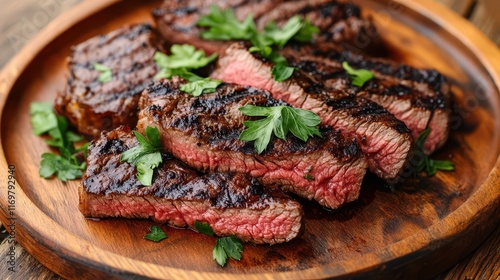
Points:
point(146, 156)
point(203, 228)
point(156, 234)
point(424, 163)
point(105, 73)
point(278, 120)
point(66, 165)
point(359, 77)
point(223, 25)
point(227, 247)
point(182, 60)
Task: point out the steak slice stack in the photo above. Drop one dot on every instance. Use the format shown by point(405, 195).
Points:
point(418, 97)
point(340, 22)
point(385, 140)
point(204, 133)
point(93, 106)
point(232, 204)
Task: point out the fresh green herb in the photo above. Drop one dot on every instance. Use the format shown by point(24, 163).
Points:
point(227, 247)
point(359, 77)
point(197, 88)
point(67, 165)
point(203, 228)
point(43, 118)
point(308, 177)
point(282, 72)
point(146, 156)
point(424, 163)
point(223, 25)
point(156, 234)
point(183, 57)
point(105, 73)
point(65, 168)
point(280, 120)
point(182, 60)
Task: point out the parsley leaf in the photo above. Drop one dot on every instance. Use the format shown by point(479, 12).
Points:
point(43, 118)
point(227, 247)
point(197, 88)
point(223, 25)
point(282, 72)
point(66, 166)
point(203, 228)
point(183, 59)
point(282, 36)
point(280, 120)
point(105, 73)
point(146, 156)
point(156, 234)
point(424, 163)
point(359, 77)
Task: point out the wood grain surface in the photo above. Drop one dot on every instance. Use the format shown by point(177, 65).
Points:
point(483, 264)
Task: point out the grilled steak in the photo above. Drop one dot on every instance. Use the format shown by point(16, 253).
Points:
point(204, 133)
point(339, 22)
point(420, 98)
point(232, 204)
point(93, 106)
point(385, 140)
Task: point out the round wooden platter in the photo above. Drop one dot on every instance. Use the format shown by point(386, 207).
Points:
point(419, 229)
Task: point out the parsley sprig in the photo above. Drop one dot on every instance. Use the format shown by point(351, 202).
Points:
point(182, 60)
point(146, 156)
point(278, 120)
point(225, 247)
point(359, 76)
point(66, 165)
point(424, 163)
point(223, 25)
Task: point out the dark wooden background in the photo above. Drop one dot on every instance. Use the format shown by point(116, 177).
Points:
point(21, 20)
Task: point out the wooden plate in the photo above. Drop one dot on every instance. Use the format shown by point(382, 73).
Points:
point(418, 230)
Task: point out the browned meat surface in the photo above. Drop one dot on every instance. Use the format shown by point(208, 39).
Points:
point(93, 106)
point(418, 97)
point(204, 133)
point(232, 204)
point(340, 22)
point(385, 140)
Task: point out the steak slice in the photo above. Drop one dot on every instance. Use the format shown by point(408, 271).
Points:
point(93, 106)
point(232, 204)
point(204, 133)
point(339, 22)
point(385, 140)
point(418, 97)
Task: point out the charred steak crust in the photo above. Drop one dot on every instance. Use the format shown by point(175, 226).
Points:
point(385, 140)
point(204, 133)
point(418, 97)
point(93, 106)
point(339, 22)
point(233, 204)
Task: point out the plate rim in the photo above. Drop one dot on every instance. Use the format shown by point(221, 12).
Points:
point(30, 236)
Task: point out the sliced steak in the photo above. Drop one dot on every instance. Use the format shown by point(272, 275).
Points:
point(93, 106)
point(385, 140)
point(418, 97)
point(339, 22)
point(232, 204)
point(204, 132)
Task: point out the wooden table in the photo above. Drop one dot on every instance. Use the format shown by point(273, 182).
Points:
point(21, 20)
